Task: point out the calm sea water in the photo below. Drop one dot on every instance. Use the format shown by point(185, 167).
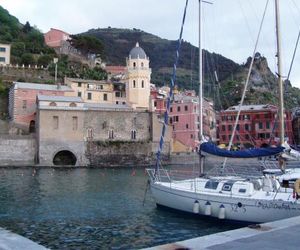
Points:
point(91, 209)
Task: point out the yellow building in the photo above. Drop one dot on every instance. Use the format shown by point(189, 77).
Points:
point(92, 91)
point(138, 79)
point(4, 54)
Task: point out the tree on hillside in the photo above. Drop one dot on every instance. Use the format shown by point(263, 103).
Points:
point(87, 44)
point(27, 28)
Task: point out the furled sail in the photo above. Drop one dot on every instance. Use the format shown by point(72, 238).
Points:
point(211, 148)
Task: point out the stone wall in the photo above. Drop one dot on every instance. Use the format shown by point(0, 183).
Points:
point(17, 151)
point(25, 74)
point(119, 153)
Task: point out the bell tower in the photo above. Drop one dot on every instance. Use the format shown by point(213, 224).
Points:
point(138, 78)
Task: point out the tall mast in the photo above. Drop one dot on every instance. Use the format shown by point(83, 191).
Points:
point(200, 75)
point(279, 67)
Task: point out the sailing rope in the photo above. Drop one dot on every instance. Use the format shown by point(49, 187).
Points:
point(170, 96)
point(246, 84)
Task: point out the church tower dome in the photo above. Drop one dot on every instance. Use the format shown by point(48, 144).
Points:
point(137, 52)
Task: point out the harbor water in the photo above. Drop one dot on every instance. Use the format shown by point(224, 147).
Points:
point(91, 209)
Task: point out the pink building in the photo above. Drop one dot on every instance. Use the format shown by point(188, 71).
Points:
point(185, 119)
point(257, 126)
point(55, 38)
point(22, 102)
point(159, 98)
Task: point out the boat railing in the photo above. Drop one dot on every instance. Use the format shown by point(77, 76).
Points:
point(171, 175)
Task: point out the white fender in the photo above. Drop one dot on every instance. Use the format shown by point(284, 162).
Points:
point(196, 207)
point(222, 212)
point(207, 208)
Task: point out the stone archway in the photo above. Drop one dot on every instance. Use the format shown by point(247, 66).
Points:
point(64, 157)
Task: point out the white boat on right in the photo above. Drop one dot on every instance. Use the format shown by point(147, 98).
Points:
point(224, 195)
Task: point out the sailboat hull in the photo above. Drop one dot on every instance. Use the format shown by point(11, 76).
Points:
point(225, 207)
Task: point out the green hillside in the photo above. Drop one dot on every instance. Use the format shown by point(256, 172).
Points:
point(118, 43)
point(27, 42)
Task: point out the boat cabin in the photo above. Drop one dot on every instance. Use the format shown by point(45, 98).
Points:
point(239, 187)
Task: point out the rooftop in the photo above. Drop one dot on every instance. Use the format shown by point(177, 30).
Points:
point(38, 86)
point(251, 107)
point(52, 98)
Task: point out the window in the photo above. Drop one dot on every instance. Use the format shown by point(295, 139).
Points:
point(79, 94)
point(238, 127)
point(192, 136)
point(24, 106)
point(267, 125)
point(187, 125)
point(111, 134)
point(223, 127)
point(79, 84)
point(2, 59)
point(227, 186)
point(52, 104)
point(229, 127)
point(134, 64)
point(260, 125)
point(224, 137)
point(155, 103)
point(90, 133)
point(142, 65)
point(118, 94)
point(134, 84)
point(117, 102)
point(171, 120)
point(178, 109)
point(185, 108)
point(247, 127)
point(55, 122)
point(73, 104)
point(133, 134)
point(75, 122)
point(98, 87)
point(247, 137)
point(242, 190)
point(176, 118)
point(104, 97)
point(2, 49)
point(143, 84)
point(89, 96)
point(90, 86)
point(237, 137)
point(171, 109)
point(211, 184)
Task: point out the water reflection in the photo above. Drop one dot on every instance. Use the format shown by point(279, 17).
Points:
point(91, 209)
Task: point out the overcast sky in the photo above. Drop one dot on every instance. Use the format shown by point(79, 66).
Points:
point(230, 26)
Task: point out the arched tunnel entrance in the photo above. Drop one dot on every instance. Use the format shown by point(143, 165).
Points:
point(64, 157)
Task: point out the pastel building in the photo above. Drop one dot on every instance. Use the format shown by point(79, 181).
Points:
point(22, 102)
point(257, 126)
point(137, 78)
point(4, 54)
point(184, 117)
point(55, 38)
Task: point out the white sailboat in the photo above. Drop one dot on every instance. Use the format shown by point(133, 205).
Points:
point(229, 197)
